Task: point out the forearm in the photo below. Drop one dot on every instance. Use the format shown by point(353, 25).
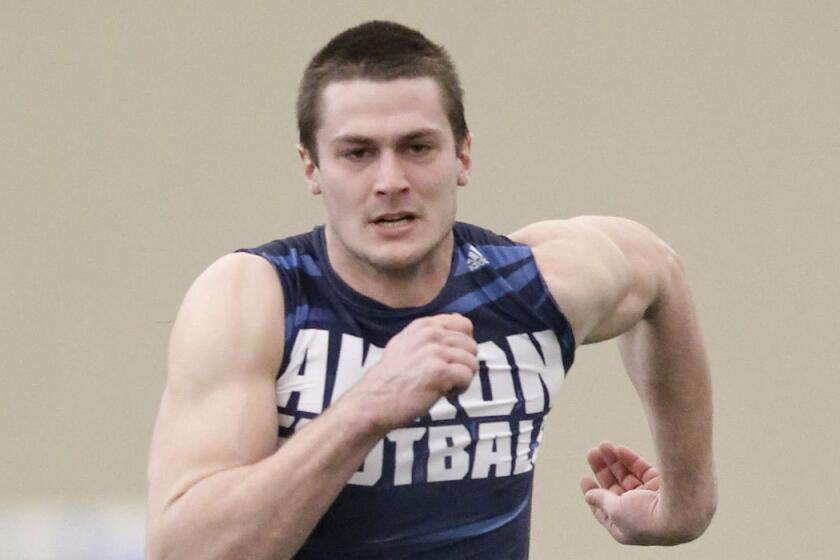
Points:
point(665, 357)
point(267, 509)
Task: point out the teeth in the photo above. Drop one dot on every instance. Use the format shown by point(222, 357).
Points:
point(394, 222)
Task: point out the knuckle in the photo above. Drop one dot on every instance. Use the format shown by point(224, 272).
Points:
point(444, 384)
point(440, 354)
point(462, 322)
point(421, 323)
point(434, 334)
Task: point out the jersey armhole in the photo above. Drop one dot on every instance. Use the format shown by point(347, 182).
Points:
point(556, 319)
point(289, 330)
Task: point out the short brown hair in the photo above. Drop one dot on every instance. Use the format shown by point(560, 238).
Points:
point(377, 50)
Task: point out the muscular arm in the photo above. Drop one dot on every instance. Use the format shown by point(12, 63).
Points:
point(614, 278)
point(218, 485)
point(218, 488)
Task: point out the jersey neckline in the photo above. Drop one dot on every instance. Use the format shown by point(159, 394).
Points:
point(370, 306)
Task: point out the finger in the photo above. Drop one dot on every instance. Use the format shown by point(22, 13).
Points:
point(454, 355)
point(456, 322)
point(459, 379)
point(600, 469)
point(594, 506)
point(637, 464)
point(436, 330)
point(641, 469)
point(461, 340)
point(625, 479)
point(588, 483)
point(600, 516)
point(607, 470)
point(602, 503)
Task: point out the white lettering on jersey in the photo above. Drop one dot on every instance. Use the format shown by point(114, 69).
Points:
point(404, 439)
point(503, 397)
point(449, 449)
point(310, 355)
point(371, 470)
point(522, 460)
point(448, 459)
point(534, 371)
point(537, 447)
point(351, 368)
point(492, 449)
point(443, 410)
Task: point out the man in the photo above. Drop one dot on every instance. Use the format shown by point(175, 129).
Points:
point(406, 360)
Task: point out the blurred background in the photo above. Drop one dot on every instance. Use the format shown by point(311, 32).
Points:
point(139, 141)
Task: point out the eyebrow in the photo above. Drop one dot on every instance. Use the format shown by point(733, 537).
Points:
point(351, 139)
point(421, 133)
point(361, 139)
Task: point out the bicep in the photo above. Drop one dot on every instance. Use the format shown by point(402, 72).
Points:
point(218, 410)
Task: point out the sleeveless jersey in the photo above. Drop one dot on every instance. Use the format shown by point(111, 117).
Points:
point(456, 483)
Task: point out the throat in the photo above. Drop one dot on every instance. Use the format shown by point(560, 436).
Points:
point(405, 288)
point(396, 281)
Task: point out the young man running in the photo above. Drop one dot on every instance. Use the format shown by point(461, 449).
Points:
point(376, 388)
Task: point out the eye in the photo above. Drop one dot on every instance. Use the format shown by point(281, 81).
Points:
point(419, 149)
point(356, 154)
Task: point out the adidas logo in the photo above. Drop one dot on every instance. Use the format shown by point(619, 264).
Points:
point(475, 259)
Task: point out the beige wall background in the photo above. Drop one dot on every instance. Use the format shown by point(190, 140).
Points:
point(141, 140)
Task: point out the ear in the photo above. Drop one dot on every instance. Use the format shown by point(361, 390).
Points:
point(465, 159)
point(310, 170)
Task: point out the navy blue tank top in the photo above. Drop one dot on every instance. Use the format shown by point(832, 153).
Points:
point(455, 484)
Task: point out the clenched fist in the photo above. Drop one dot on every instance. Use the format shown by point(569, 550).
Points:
point(430, 358)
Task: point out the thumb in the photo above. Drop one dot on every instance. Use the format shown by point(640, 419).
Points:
point(604, 506)
point(601, 500)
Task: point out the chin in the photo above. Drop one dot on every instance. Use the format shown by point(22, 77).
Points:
point(397, 256)
point(397, 259)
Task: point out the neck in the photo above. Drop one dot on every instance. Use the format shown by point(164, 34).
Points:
point(409, 286)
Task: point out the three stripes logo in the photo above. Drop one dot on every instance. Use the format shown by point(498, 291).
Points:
point(475, 259)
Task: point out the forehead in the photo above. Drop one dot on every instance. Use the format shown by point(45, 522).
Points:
point(381, 109)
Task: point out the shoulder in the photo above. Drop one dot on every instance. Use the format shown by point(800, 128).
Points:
point(231, 318)
point(590, 229)
point(595, 264)
point(233, 281)
point(597, 242)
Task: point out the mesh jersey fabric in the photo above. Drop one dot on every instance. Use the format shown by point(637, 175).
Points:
point(457, 482)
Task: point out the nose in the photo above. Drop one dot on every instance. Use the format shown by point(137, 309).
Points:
point(390, 174)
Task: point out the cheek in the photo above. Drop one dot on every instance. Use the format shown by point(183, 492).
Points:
point(438, 182)
point(342, 203)
point(337, 207)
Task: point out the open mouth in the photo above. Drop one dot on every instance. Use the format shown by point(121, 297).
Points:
point(394, 220)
